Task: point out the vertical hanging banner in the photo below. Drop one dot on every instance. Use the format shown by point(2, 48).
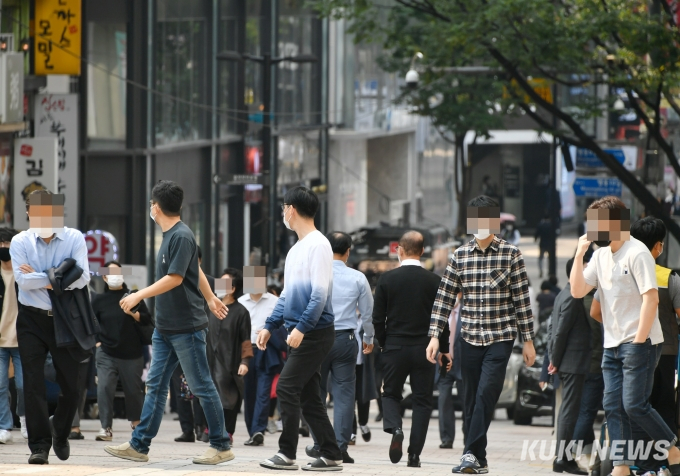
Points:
point(58, 30)
point(56, 115)
point(36, 167)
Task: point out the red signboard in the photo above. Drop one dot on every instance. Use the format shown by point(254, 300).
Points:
point(393, 248)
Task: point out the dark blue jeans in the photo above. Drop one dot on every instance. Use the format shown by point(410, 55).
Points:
point(591, 403)
point(628, 372)
point(258, 389)
point(189, 351)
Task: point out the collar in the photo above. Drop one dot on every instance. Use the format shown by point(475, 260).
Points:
point(266, 295)
point(473, 245)
point(58, 234)
point(411, 262)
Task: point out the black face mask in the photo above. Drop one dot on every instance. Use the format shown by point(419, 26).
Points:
point(602, 244)
point(4, 254)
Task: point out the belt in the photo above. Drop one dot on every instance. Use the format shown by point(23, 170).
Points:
point(36, 310)
point(342, 331)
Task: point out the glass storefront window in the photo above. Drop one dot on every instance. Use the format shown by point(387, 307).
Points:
point(181, 71)
point(106, 88)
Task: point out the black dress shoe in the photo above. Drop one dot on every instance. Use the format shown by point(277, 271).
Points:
point(395, 447)
point(569, 466)
point(346, 458)
point(186, 438)
point(446, 444)
point(76, 435)
point(60, 445)
point(379, 416)
point(413, 461)
point(38, 457)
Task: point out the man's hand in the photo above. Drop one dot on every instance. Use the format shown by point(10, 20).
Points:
point(543, 385)
point(582, 247)
point(368, 348)
point(450, 361)
point(218, 308)
point(295, 338)
point(432, 349)
point(129, 302)
point(242, 369)
point(552, 370)
point(25, 268)
point(262, 339)
point(135, 315)
point(529, 353)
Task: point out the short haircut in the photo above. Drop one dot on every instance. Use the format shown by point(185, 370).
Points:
point(649, 230)
point(608, 203)
point(34, 195)
point(169, 196)
point(412, 243)
point(546, 286)
point(236, 281)
point(570, 264)
point(340, 242)
point(483, 201)
point(113, 261)
point(305, 202)
point(6, 234)
point(552, 279)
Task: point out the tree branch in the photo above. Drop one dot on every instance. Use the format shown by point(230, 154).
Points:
point(426, 8)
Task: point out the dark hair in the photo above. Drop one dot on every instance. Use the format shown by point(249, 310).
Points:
point(42, 191)
point(412, 243)
point(483, 201)
point(106, 265)
point(340, 242)
point(570, 264)
point(236, 281)
point(6, 234)
point(275, 290)
point(552, 279)
point(649, 230)
point(169, 196)
point(305, 202)
point(546, 286)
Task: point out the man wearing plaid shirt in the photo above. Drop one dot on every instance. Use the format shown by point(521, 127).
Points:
point(491, 275)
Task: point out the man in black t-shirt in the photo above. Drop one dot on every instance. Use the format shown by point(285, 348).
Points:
point(180, 335)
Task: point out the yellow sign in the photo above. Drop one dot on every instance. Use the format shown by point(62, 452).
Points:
point(58, 29)
point(541, 86)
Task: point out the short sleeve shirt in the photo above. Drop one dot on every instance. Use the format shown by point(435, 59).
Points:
point(180, 310)
point(621, 279)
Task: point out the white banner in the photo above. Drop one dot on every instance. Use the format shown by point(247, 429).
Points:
point(56, 115)
point(36, 167)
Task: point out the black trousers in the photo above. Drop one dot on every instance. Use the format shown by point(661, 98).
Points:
point(230, 416)
point(35, 335)
point(399, 362)
point(662, 400)
point(298, 390)
point(363, 408)
point(483, 372)
point(572, 390)
point(190, 412)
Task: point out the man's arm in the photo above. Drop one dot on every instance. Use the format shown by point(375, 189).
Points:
point(565, 318)
point(596, 309)
point(79, 253)
point(582, 282)
point(275, 321)
point(449, 287)
point(321, 274)
point(25, 281)
point(365, 306)
point(204, 286)
point(519, 290)
point(650, 303)
point(380, 313)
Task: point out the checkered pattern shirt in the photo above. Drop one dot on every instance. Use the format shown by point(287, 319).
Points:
point(495, 294)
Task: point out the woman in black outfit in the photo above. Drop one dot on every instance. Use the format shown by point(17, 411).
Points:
point(120, 352)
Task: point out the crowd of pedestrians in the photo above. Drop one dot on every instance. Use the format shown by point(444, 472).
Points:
point(230, 344)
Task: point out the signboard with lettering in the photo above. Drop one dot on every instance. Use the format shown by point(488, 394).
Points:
point(58, 30)
point(35, 168)
point(101, 248)
point(11, 87)
point(596, 187)
point(626, 156)
point(56, 115)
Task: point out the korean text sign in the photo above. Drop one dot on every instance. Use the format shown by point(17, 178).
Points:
point(58, 29)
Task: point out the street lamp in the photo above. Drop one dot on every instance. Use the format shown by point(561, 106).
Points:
point(268, 61)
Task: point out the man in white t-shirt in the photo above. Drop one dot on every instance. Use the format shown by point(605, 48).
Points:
point(623, 271)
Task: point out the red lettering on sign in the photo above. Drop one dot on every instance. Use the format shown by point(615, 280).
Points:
point(73, 29)
point(393, 248)
point(26, 150)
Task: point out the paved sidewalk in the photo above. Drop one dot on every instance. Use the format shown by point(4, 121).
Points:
point(167, 457)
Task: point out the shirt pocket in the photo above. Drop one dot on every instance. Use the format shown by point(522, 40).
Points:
point(624, 285)
point(498, 278)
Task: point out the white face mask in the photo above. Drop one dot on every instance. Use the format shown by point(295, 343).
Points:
point(153, 217)
point(481, 236)
point(285, 222)
point(115, 280)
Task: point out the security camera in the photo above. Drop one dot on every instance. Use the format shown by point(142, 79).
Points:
point(412, 78)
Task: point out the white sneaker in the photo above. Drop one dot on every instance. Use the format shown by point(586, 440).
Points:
point(6, 437)
point(104, 434)
point(279, 426)
point(24, 430)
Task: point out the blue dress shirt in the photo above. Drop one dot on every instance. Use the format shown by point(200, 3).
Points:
point(28, 248)
point(351, 291)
